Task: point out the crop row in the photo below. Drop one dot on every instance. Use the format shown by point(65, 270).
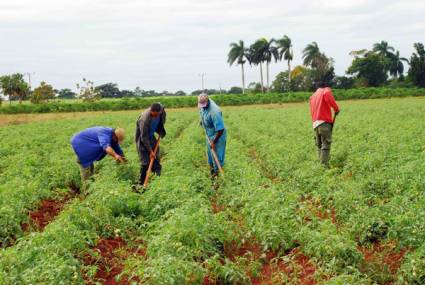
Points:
point(372, 194)
point(38, 164)
point(55, 255)
point(275, 206)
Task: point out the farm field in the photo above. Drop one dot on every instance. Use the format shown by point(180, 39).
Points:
point(277, 217)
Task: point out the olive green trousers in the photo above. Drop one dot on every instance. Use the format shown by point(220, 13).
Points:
point(323, 138)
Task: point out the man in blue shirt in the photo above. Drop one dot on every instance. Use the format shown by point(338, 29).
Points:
point(212, 121)
point(93, 144)
point(151, 121)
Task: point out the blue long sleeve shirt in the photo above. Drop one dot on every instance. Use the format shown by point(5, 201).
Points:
point(90, 145)
point(212, 119)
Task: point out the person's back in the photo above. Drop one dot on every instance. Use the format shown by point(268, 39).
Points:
point(90, 143)
point(93, 144)
point(321, 103)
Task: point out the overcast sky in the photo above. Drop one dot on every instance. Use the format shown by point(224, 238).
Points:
point(165, 44)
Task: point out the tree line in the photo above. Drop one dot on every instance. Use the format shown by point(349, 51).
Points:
point(382, 65)
point(16, 88)
point(376, 67)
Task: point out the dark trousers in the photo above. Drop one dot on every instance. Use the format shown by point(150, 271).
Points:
point(156, 168)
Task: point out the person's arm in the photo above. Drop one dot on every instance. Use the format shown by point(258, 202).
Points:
point(117, 148)
point(144, 135)
point(119, 158)
point(219, 128)
point(161, 128)
point(329, 97)
point(217, 137)
point(144, 126)
point(105, 141)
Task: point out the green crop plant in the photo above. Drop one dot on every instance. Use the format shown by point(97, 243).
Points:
point(274, 199)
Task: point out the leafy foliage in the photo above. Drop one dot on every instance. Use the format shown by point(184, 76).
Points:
point(370, 70)
point(42, 93)
point(87, 91)
point(274, 194)
point(66, 94)
point(14, 86)
point(417, 66)
point(299, 82)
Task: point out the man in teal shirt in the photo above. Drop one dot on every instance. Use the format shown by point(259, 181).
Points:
point(212, 121)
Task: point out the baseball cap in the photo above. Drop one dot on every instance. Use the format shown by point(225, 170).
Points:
point(202, 100)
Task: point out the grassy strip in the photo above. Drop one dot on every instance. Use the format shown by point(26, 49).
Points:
point(223, 100)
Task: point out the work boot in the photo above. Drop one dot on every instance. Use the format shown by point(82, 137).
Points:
point(138, 188)
point(157, 168)
point(214, 173)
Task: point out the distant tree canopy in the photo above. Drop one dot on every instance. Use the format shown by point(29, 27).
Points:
point(235, 90)
point(370, 70)
point(109, 90)
point(66, 94)
point(343, 82)
point(14, 86)
point(126, 93)
point(42, 93)
point(208, 91)
point(417, 66)
point(180, 93)
point(281, 82)
point(255, 87)
point(138, 92)
point(87, 91)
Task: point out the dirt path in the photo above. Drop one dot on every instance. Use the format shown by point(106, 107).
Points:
point(108, 256)
point(48, 210)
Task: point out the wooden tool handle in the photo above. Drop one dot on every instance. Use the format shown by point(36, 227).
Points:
point(151, 163)
point(214, 154)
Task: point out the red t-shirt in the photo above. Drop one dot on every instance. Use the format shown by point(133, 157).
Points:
point(321, 103)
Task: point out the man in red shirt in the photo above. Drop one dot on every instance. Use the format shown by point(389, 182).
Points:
point(321, 103)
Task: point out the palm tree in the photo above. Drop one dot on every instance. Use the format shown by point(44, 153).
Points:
point(238, 53)
point(318, 61)
point(284, 46)
point(264, 51)
point(397, 66)
point(270, 53)
point(383, 49)
point(312, 55)
point(256, 53)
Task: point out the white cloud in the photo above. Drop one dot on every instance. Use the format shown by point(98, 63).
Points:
point(164, 44)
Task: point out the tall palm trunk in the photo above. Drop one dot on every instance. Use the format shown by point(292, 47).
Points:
point(289, 71)
point(268, 75)
point(261, 75)
point(243, 79)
